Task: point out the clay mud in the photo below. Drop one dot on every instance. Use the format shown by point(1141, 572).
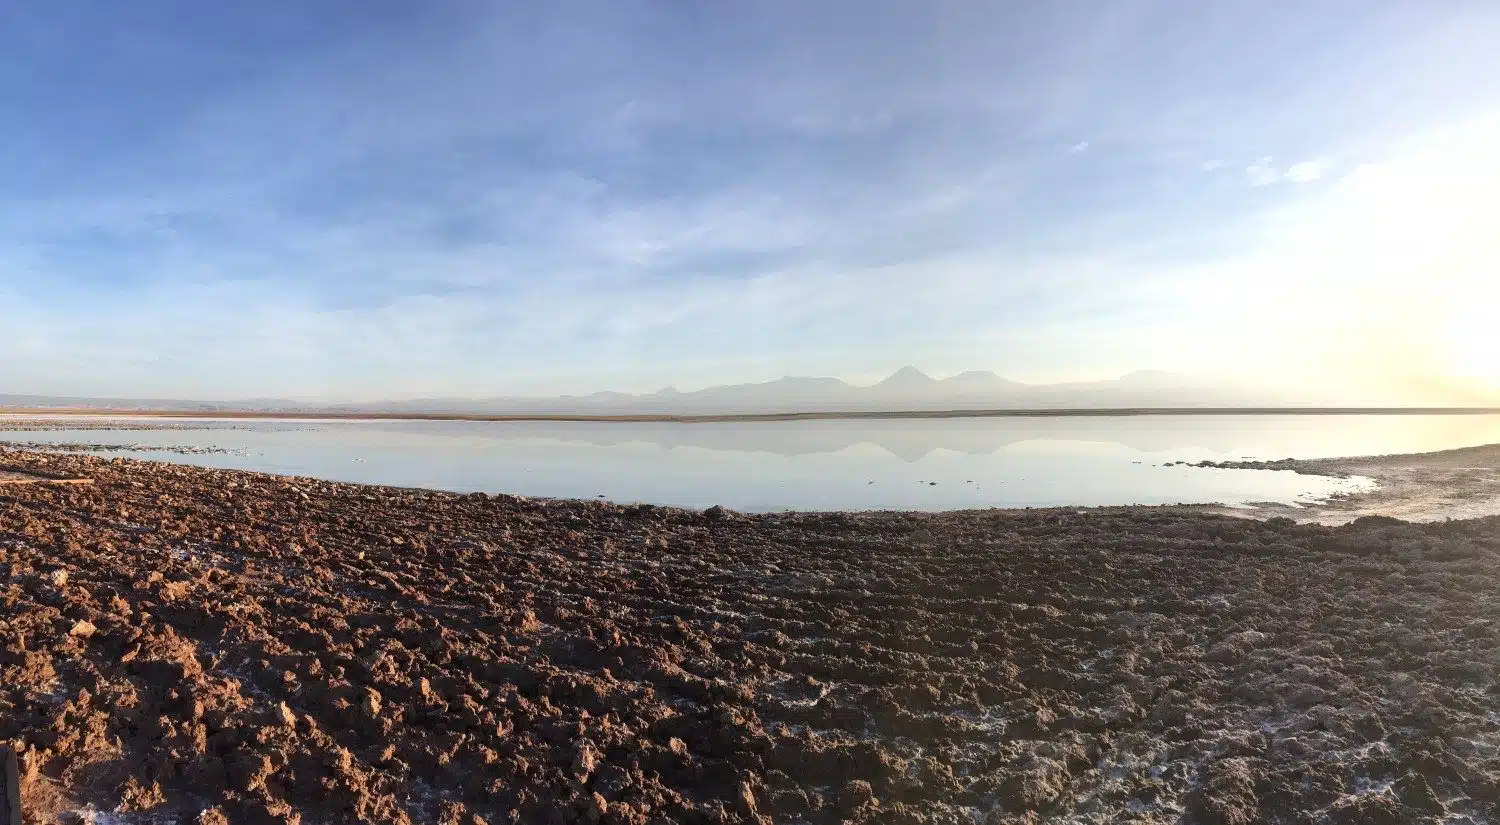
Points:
point(189, 645)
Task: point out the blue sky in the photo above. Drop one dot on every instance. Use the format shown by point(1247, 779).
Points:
point(379, 199)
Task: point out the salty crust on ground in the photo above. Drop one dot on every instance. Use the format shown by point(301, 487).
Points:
point(9, 424)
point(189, 645)
point(1457, 484)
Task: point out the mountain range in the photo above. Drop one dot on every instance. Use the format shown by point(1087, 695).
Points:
point(906, 389)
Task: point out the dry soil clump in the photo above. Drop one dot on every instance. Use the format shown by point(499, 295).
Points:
point(190, 645)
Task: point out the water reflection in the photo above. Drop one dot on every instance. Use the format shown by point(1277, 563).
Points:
point(912, 440)
point(818, 465)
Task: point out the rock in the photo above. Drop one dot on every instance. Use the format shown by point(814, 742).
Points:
point(83, 629)
point(1226, 795)
point(1035, 786)
point(1366, 810)
point(1414, 792)
point(594, 808)
point(1375, 521)
point(716, 513)
point(746, 799)
point(370, 702)
point(855, 794)
point(454, 813)
point(583, 762)
point(526, 622)
point(247, 771)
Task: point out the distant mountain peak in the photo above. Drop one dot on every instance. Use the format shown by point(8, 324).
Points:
point(907, 376)
point(907, 389)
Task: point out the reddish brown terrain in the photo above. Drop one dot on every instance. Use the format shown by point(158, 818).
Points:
point(190, 645)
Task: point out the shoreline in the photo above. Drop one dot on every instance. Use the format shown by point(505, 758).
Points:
point(1458, 483)
point(1462, 483)
point(1065, 412)
point(223, 646)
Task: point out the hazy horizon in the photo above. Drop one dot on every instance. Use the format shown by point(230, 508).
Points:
point(345, 202)
point(908, 388)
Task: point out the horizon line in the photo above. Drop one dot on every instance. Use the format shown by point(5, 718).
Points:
point(708, 418)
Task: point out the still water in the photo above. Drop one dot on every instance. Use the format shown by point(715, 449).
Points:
point(815, 465)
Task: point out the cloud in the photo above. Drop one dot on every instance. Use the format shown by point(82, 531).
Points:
point(1307, 171)
point(486, 197)
point(1263, 172)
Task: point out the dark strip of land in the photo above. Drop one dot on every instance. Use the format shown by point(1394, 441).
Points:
point(775, 416)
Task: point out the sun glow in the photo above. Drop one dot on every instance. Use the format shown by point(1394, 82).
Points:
point(1389, 271)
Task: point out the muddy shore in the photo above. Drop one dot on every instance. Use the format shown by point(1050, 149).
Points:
point(1456, 484)
point(189, 645)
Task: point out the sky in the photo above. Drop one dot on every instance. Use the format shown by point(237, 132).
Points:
point(361, 199)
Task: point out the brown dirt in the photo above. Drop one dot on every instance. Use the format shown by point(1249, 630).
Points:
point(189, 645)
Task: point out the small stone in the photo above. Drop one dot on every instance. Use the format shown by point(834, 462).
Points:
point(83, 629)
point(855, 794)
point(526, 622)
point(1366, 810)
point(248, 771)
point(287, 717)
point(583, 762)
point(371, 702)
point(747, 799)
point(1036, 786)
point(1226, 795)
point(59, 578)
point(1414, 792)
point(595, 808)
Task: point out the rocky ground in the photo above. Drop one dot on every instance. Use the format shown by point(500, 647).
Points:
point(191, 645)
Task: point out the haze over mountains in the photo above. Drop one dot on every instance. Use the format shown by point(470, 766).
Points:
point(907, 389)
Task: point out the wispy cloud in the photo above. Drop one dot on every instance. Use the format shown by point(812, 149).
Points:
point(1307, 171)
point(1263, 172)
point(478, 199)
